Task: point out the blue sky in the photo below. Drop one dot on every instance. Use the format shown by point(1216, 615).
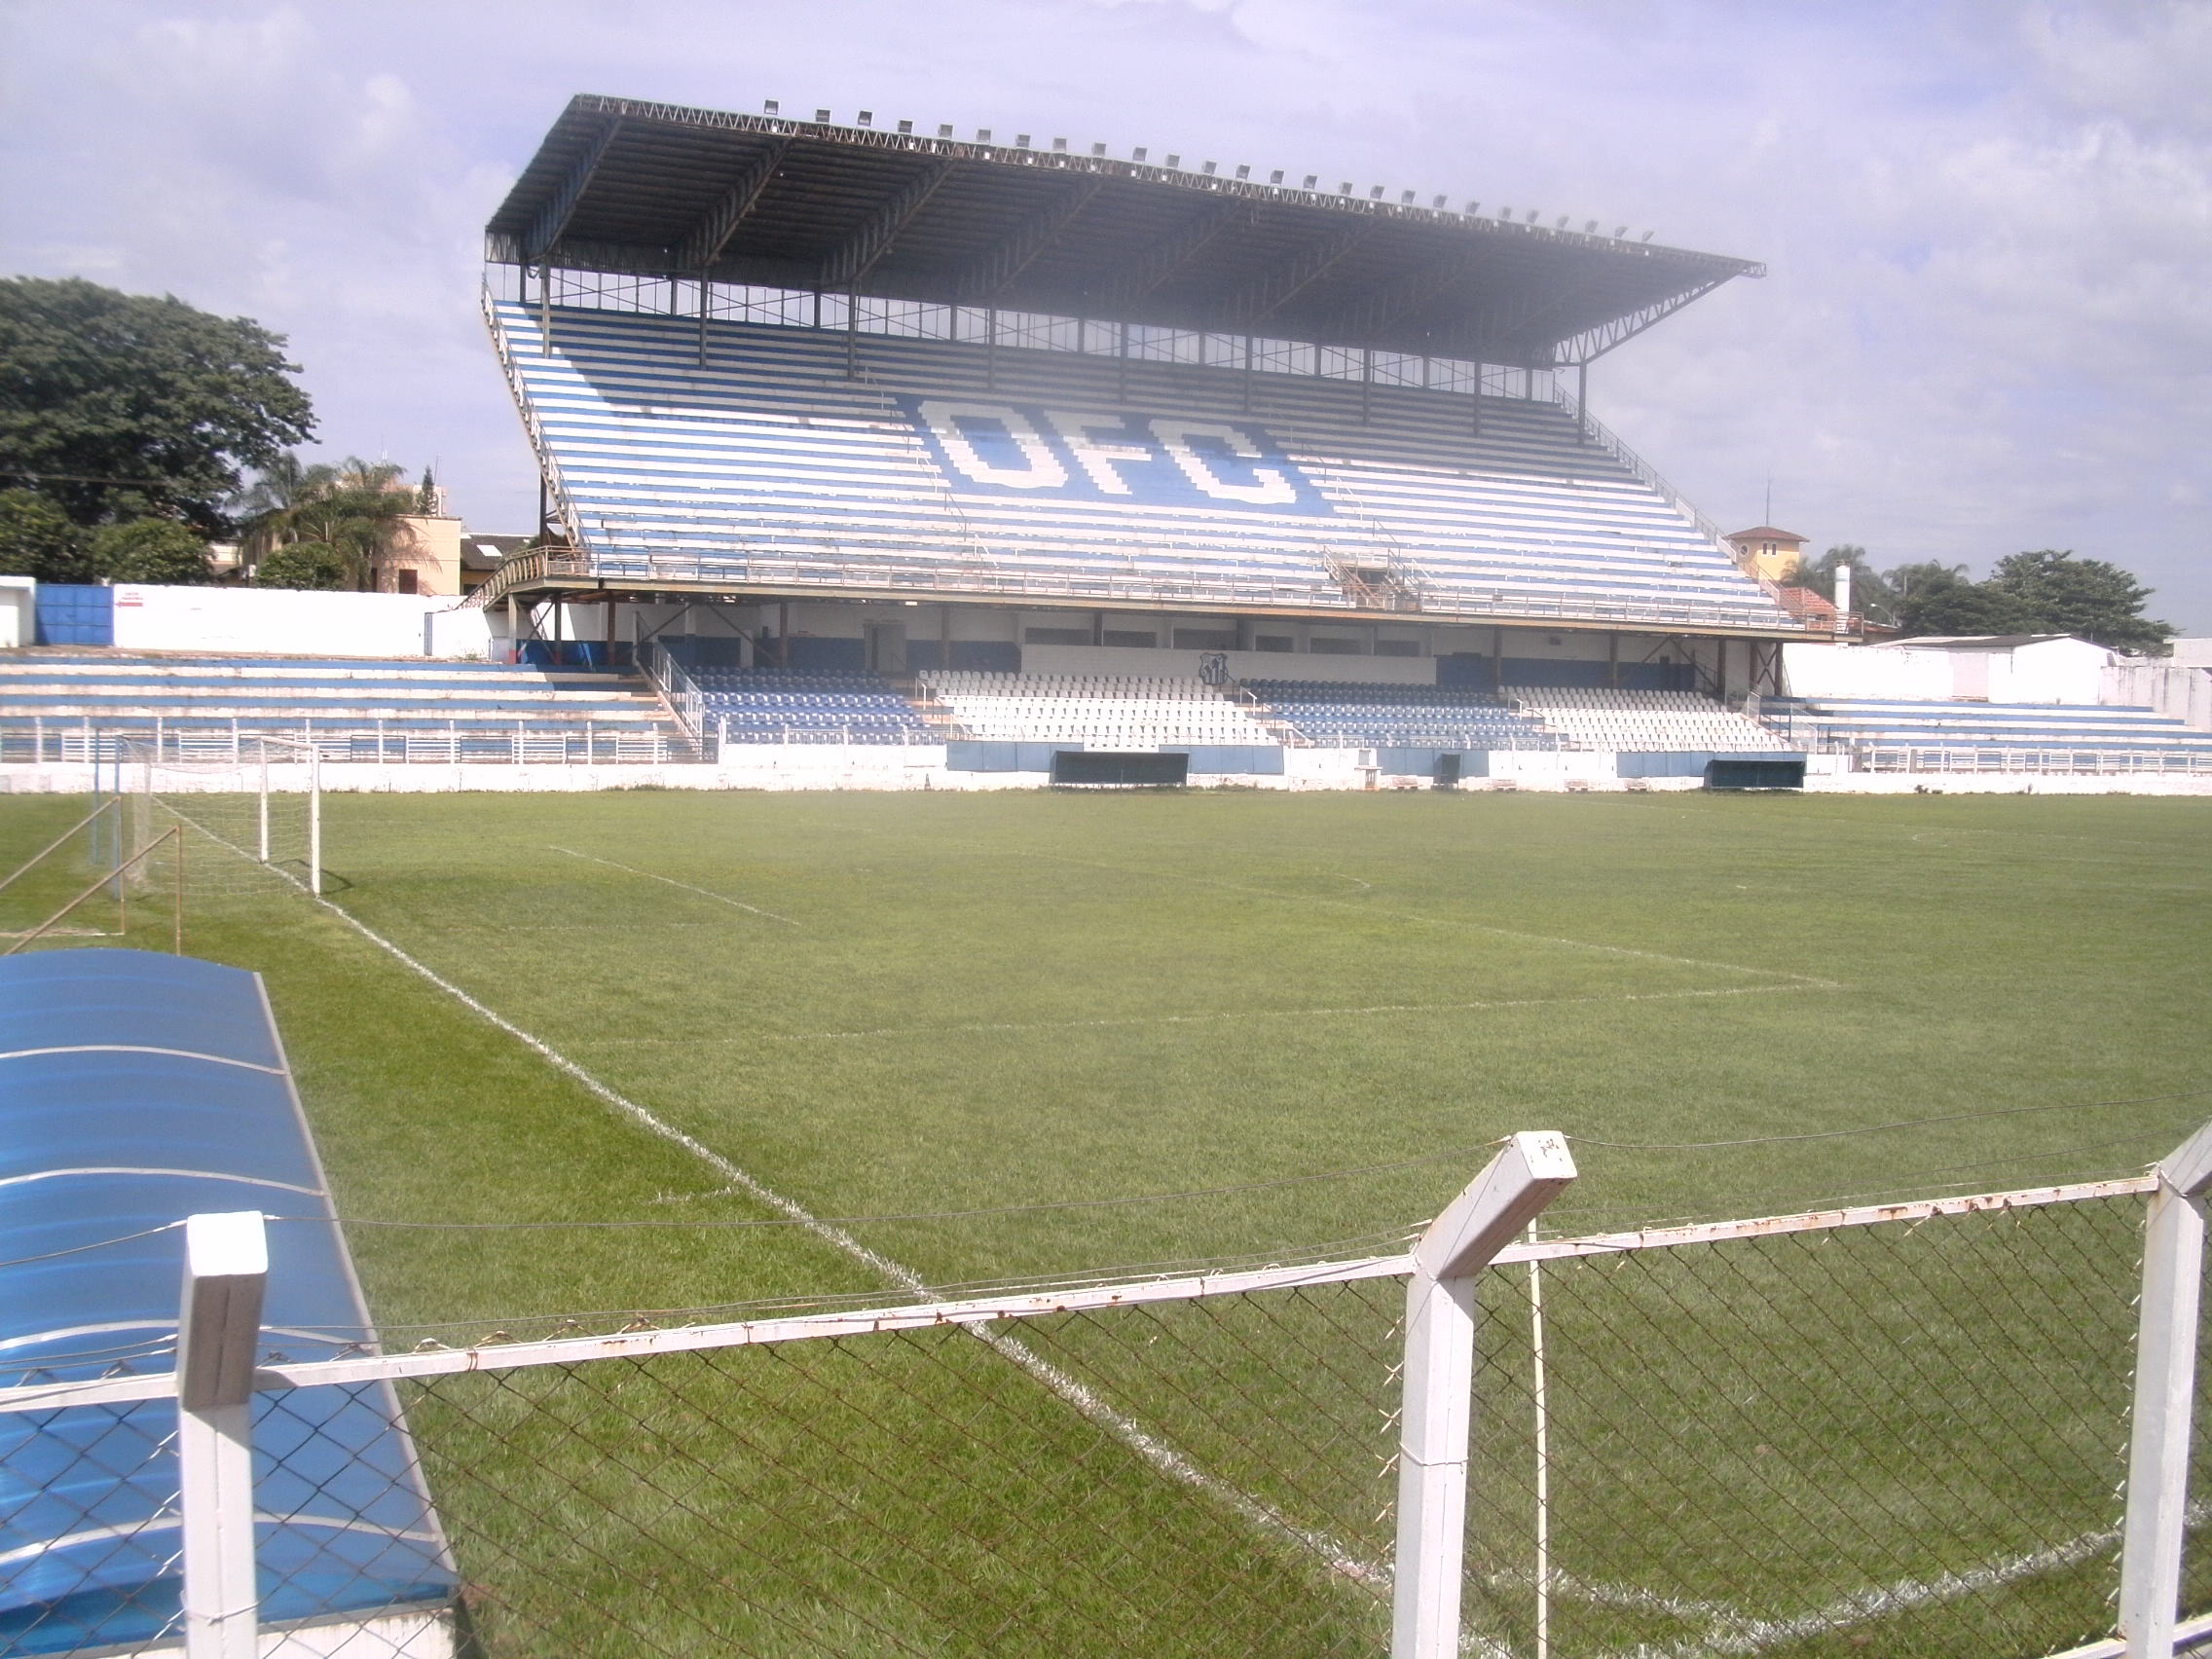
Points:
point(1987, 224)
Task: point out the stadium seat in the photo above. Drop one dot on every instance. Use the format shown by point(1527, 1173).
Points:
point(771, 464)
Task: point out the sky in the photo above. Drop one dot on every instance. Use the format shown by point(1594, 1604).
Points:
point(1984, 326)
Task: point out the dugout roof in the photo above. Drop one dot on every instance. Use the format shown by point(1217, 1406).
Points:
point(649, 189)
point(137, 1090)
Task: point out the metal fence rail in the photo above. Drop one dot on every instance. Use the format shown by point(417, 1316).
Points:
point(36, 741)
point(1903, 1428)
point(2081, 760)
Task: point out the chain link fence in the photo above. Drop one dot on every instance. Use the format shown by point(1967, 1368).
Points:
point(1901, 1431)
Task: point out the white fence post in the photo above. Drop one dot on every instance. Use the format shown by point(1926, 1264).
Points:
point(226, 1271)
point(1438, 1403)
point(2165, 1387)
point(314, 817)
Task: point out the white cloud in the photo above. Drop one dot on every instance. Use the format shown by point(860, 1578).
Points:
point(1985, 222)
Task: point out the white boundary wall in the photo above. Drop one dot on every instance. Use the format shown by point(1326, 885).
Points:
point(2180, 691)
point(288, 621)
point(784, 767)
point(18, 611)
point(2049, 671)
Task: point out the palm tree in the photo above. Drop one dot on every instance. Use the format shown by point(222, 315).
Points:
point(354, 508)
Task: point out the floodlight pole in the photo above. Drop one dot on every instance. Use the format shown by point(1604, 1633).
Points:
point(226, 1276)
point(1437, 1407)
point(2165, 1389)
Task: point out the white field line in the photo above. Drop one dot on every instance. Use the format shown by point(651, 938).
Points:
point(1220, 1016)
point(1162, 1456)
point(717, 897)
point(1754, 1636)
point(1809, 980)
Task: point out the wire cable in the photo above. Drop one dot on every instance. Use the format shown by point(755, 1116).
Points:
point(1883, 1129)
point(102, 1244)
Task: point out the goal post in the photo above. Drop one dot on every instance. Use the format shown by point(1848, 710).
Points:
point(258, 801)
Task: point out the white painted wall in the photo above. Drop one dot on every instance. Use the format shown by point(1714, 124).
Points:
point(458, 634)
point(18, 610)
point(2180, 692)
point(1866, 670)
point(284, 621)
point(2054, 671)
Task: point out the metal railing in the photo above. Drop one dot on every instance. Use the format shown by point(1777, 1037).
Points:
point(2083, 759)
point(677, 688)
point(36, 741)
point(838, 568)
point(1649, 476)
point(1904, 1427)
point(734, 739)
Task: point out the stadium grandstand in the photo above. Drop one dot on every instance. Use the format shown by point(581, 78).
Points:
point(871, 457)
point(1063, 447)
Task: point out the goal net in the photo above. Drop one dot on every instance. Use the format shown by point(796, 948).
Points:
point(251, 819)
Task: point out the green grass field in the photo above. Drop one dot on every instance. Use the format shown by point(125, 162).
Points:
point(904, 1007)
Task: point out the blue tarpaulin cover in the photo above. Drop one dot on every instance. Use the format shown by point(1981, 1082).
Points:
point(136, 1090)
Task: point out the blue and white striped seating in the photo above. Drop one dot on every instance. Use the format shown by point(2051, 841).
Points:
point(771, 464)
point(1642, 721)
point(1104, 710)
point(1353, 714)
point(1898, 722)
point(766, 705)
point(199, 700)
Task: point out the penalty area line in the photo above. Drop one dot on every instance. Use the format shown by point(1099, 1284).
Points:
point(717, 897)
point(1809, 980)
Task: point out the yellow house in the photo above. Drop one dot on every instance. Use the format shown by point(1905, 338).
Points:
point(426, 559)
point(1771, 554)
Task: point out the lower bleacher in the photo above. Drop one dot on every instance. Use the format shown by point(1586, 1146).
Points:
point(1102, 711)
point(1358, 714)
point(66, 705)
point(2052, 734)
point(768, 705)
point(1642, 721)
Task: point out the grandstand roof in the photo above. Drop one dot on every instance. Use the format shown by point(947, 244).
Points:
point(650, 188)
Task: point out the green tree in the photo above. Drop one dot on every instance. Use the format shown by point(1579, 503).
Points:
point(1969, 607)
point(427, 494)
point(152, 550)
point(38, 540)
point(355, 512)
point(1910, 582)
point(2088, 598)
point(119, 406)
point(302, 565)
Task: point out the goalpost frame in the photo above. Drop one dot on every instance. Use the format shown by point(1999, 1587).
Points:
point(256, 775)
